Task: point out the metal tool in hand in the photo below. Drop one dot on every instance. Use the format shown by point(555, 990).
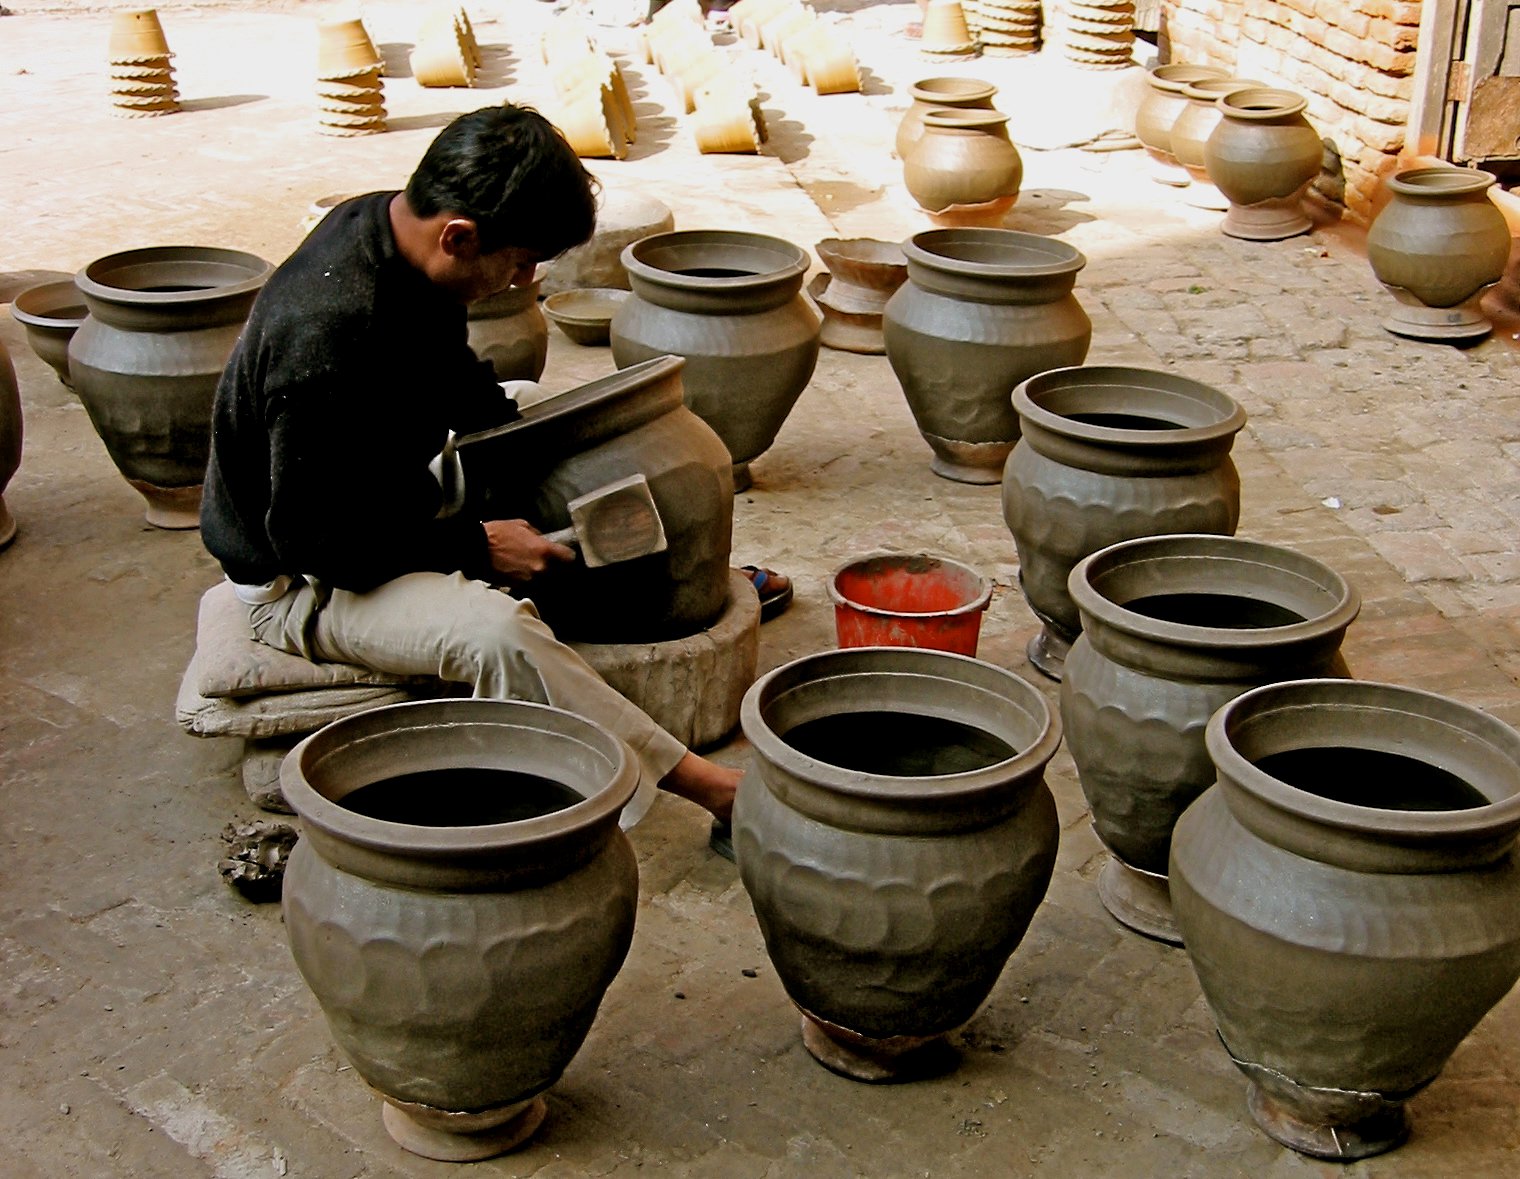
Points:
point(618, 522)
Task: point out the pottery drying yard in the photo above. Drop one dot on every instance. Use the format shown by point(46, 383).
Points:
point(154, 1023)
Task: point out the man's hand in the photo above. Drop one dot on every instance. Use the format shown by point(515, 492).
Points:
point(519, 551)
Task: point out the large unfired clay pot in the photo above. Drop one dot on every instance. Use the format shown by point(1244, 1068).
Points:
point(509, 330)
point(946, 93)
point(731, 303)
point(1262, 155)
point(982, 310)
point(632, 422)
point(10, 440)
point(147, 359)
point(51, 313)
point(1109, 453)
point(895, 835)
point(1436, 244)
point(459, 953)
point(1349, 893)
point(1191, 130)
point(1173, 627)
point(963, 157)
point(1159, 109)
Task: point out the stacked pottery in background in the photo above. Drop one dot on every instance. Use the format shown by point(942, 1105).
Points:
point(1099, 34)
point(349, 97)
point(946, 33)
point(724, 109)
point(1159, 110)
point(1008, 28)
point(592, 107)
point(142, 80)
point(444, 55)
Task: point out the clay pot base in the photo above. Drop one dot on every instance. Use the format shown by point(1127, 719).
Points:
point(846, 331)
point(1138, 900)
point(1416, 321)
point(7, 524)
point(174, 508)
point(1377, 1133)
point(968, 462)
point(459, 1147)
point(1268, 221)
point(984, 215)
point(1047, 653)
point(876, 1062)
point(742, 478)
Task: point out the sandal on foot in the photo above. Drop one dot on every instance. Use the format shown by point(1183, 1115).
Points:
point(773, 599)
point(721, 840)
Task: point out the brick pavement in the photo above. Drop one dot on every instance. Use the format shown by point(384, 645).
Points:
point(154, 1024)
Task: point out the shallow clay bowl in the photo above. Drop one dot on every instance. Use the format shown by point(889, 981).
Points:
point(585, 315)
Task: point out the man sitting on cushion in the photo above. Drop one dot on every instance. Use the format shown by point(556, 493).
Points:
point(353, 368)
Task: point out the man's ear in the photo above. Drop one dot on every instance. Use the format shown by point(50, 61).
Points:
point(460, 238)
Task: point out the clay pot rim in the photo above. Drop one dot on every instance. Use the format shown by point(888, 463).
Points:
point(976, 606)
point(1411, 827)
point(1084, 581)
point(566, 405)
point(963, 90)
point(957, 118)
point(603, 300)
point(794, 267)
point(906, 662)
point(92, 286)
point(856, 253)
point(1261, 103)
point(1231, 422)
point(454, 846)
point(45, 316)
point(1062, 257)
point(1440, 181)
point(1173, 76)
point(1210, 90)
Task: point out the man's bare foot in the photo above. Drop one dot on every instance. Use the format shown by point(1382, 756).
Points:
point(705, 783)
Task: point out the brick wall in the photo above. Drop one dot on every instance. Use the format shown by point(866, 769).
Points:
point(1352, 59)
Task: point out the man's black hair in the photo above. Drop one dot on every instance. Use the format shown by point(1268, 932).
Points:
point(508, 170)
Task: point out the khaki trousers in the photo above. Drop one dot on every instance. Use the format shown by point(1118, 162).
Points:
point(465, 632)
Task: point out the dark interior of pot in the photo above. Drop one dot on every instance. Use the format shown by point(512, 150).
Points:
point(997, 247)
point(715, 259)
point(175, 270)
point(460, 796)
point(898, 744)
point(1121, 406)
point(1215, 611)
point(1377, 778)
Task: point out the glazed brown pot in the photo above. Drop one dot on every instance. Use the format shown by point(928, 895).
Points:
point(1109, 453)
point(1262, 156)
point(1436, 244)
point(947, 93)
point(146, 361)
point(1191, 130)
point(1159, 109)
point(1349, 893)
point(963, 157)
point(509, 330)
point(51, 313)
point(982, 310)
point(10, 440)
point(1172, 628)
point(632, 422)
point(895, 835)
point(731, 303)
point(459, 933)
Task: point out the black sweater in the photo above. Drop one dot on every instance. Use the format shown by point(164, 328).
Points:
point(349, 374)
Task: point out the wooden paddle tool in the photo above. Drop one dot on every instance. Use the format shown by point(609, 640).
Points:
point(618, 522)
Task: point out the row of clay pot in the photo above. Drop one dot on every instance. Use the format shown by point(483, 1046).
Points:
point(592, 107)
point(724, 109)
point(1436, 245)
point(142, 80)
point(816, 51)
point(959, 163)
point(350, 100)
point(446, 52)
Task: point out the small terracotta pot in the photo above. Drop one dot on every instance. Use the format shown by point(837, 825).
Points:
point(1159, 109)
point(441, 62)
point(1436, 245)
point(1262, 156)
point(137, 36)
point(583, 121)
point(963, 157)
point(944, 26)
point(345, 50)
point(1349, 893)
point(832, 69)
point(721, 126)
point(509, 330)
point(51, 313)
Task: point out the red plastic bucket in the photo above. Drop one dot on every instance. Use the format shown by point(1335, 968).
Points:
point(909, 600)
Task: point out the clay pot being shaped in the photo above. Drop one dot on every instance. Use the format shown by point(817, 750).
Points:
point(632, 422)
point(963, 158)
point(1110, 453)
point(1191, 130)
point(948, 93)
point(51, 313)
point(459, 900)
point(1159, 109)
point(1349, 893)
point(731, 303)
point(1172, 628)
point(162, 322)
point(509, 330)
point(982, 310)
point(1436, 244)
point(1262, 155)
point(863, 274)
point(10, 440)
point(895, 835)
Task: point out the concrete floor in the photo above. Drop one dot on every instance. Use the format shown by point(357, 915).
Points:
point(153, 1021)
